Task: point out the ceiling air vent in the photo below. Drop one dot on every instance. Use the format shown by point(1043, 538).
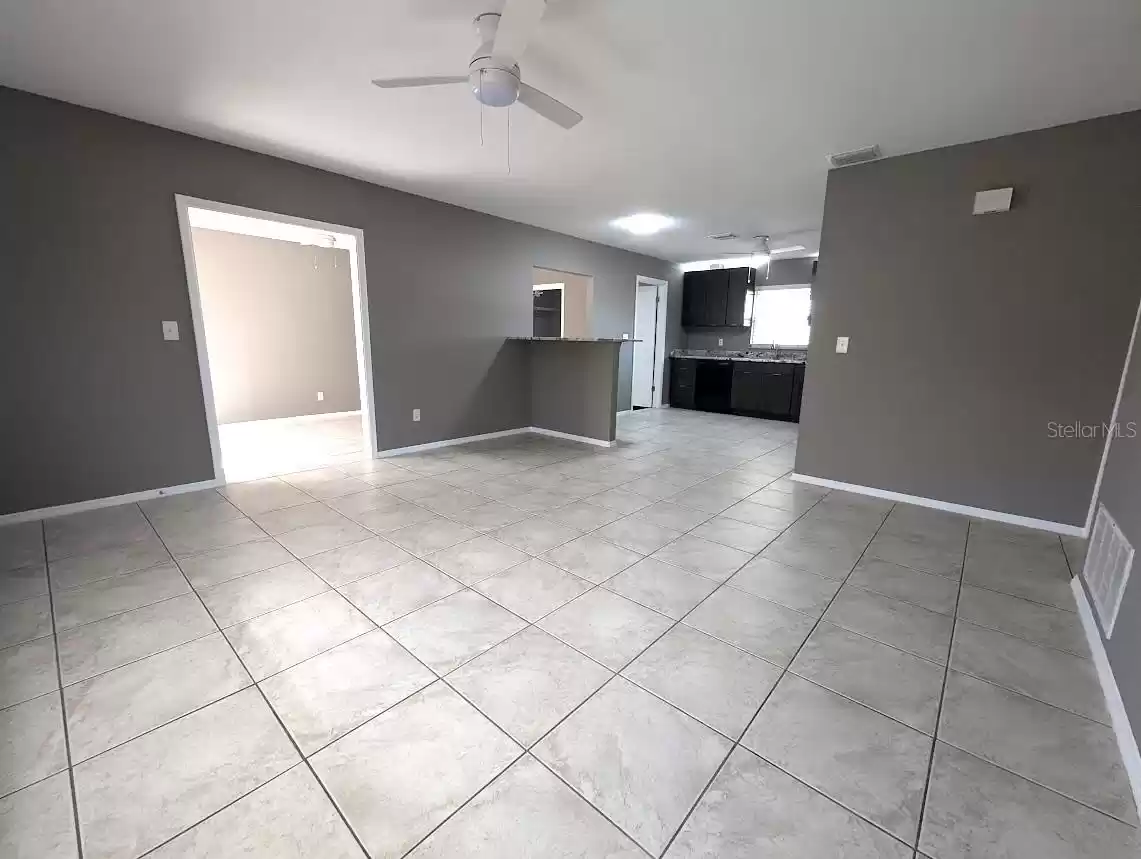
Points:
point(856, 156)
point(1108, 561)
point(723, 237)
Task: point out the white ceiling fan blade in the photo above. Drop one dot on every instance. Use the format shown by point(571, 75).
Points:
point(517, 24)
point(547, 107)
point(397, 83)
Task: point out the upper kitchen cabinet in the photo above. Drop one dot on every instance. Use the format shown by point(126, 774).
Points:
point(715, 298)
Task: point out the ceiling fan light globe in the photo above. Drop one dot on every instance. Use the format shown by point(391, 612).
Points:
point(495, 87)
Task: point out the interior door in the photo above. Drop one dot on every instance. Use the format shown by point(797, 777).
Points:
point(644, 372)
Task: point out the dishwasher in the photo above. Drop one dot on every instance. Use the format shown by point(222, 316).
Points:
point(713, 389)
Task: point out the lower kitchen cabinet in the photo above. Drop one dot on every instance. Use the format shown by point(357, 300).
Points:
point(683, 383)
point(759, 388)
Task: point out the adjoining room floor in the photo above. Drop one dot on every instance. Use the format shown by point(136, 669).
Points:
point(268, 448)
point(530, 648)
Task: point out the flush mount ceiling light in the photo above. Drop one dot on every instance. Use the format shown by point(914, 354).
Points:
point(643, 223)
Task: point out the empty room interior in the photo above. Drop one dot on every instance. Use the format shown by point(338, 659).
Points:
point(558, 429)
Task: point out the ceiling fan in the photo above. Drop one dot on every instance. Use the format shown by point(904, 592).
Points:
point(493, 72)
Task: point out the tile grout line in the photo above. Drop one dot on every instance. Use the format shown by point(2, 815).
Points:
point(739, 742)
point(215, 813)
point(942, 696)
point(528, 749)
point(529, 624)
point(62, 698)
point(277, 718)
point(618, 673)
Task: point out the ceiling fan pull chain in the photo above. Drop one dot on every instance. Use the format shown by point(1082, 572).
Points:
point(482, 108)
point(509, 112)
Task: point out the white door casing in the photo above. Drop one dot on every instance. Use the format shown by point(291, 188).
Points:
point(649, 348)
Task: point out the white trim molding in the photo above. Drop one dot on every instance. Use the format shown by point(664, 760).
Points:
point(1126, 740)
point(597, 442)
point(343, 236)
point(452, 442)
point(110, 501)
point(449, 442)
point(320, 416)
point(1112, 424)
point(977, 512)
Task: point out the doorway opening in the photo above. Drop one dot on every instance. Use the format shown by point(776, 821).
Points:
point(280, 314)
point(563, 303)
point(649, 366)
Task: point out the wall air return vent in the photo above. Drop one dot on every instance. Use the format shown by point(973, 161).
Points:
point(856, 156)
point(1109, 558)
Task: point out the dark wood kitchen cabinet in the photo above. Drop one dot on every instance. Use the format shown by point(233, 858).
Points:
point(777, 384)
point(767, 389)
point(683, 382)
point(715, 298)
point(746, 395)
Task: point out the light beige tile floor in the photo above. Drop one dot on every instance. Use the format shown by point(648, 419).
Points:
point(530, 648)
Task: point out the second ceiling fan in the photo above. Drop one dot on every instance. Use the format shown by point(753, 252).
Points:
point(493, 72)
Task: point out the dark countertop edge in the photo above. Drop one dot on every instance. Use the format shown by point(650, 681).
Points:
point(576, 339)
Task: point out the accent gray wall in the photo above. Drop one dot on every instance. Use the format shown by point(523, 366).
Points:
point(279, 326)
point(573, 387)
point(970, 334)
point(1121, 495)
point(103, 406)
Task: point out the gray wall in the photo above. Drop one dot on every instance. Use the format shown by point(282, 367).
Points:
point(93, 263)
point(781, 272)
point(970, 334)
point(1121, 495)
point(279, 326)
point(573, 387)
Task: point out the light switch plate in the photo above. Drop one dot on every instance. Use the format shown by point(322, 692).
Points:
point(842, 345)
point(625, 336)
point(169, 330)
point(415, 414)
point(320, 396)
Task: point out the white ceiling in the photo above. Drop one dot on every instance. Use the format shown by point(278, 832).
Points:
point(718, 112)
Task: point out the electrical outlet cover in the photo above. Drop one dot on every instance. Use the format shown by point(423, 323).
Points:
point(169, 330)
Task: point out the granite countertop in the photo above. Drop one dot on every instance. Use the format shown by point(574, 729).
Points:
point(578, 339)
point(737, 356)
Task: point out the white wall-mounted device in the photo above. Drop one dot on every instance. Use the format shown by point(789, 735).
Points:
point(994, 200)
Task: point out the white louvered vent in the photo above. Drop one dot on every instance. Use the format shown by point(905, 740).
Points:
point(1108, 561)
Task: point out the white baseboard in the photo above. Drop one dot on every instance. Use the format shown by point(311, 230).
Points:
point(449, 442)
point(977, 512)
point(1126, 740)
point(112, 501)
point(625, 412)
point(597, 442)
point(320, 416)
